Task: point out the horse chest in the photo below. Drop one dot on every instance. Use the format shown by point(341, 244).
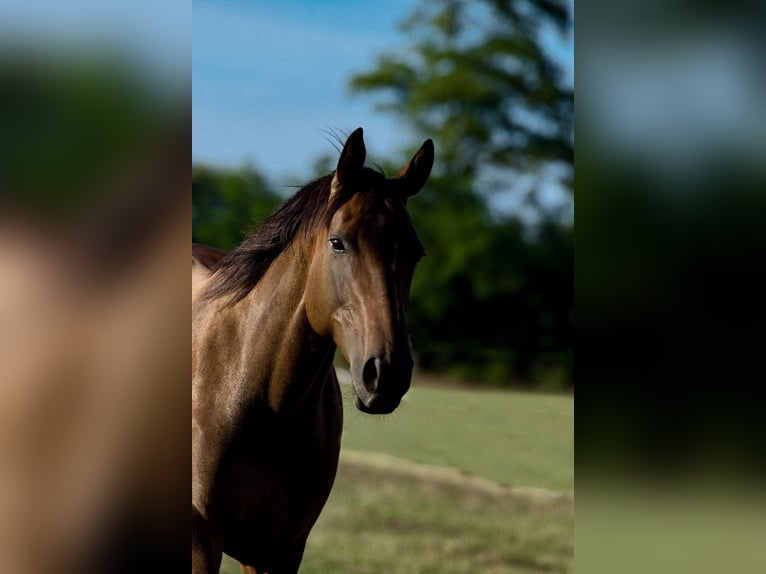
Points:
point(275, 479)
point(275, 473)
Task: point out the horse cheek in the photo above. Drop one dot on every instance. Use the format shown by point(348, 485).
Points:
point(319, 301)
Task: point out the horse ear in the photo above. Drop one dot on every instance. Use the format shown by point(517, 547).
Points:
point(351, 158)
point(414, 175)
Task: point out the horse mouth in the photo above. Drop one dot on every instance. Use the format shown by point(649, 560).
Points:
point(375, 404)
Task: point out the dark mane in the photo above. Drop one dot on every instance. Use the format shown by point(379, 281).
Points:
point(307, 210)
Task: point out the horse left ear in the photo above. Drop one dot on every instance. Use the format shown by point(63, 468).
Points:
point(414, 175)
point(351, 159)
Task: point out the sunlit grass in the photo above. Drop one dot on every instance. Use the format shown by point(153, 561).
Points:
point(519, 439)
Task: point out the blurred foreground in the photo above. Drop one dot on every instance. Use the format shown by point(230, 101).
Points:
point(670, 281)
point(94, 217)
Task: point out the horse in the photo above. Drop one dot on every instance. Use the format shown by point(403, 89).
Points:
point(331, 268)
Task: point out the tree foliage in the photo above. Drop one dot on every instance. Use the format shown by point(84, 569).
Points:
point(225, 204)
point(476, 78)
point(491, 301)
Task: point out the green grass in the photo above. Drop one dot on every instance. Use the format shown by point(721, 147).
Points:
point(519, 439)
point(390, 515)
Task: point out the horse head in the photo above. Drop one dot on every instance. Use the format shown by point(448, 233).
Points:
point(362, 263)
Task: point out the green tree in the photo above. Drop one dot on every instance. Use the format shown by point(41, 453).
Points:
point(476, 79)
point(226, 204)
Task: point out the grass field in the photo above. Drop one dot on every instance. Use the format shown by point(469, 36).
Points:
point(455, 482)
point(510, 437)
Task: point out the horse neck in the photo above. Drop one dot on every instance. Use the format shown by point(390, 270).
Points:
point(278, 358)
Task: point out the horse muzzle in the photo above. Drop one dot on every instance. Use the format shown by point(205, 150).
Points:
point(381, 384)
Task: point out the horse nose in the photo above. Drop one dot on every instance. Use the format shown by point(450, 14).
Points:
point(385, 376)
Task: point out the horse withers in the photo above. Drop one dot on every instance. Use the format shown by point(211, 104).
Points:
point(330, 268)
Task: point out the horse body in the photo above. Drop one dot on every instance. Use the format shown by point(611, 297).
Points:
point(266, 406)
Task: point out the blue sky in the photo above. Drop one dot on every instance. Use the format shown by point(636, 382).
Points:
point(269, 78)
point(155, 35)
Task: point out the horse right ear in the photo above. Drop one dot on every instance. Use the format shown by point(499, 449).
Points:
point(414, 175)
point(351, 158)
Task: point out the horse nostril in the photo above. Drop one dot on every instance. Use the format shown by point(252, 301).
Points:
point(370, 374)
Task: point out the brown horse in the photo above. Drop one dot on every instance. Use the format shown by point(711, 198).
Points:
point(330, 268)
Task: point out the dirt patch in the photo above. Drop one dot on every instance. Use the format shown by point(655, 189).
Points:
point(356, 462)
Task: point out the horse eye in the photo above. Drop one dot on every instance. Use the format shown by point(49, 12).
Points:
point(337, 245)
